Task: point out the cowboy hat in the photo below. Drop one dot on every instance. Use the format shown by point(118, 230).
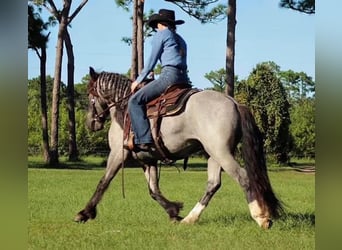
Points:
point(163, 15)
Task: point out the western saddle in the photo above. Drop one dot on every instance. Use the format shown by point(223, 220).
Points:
point(171, 102)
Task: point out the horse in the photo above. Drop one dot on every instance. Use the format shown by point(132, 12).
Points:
point(211, 121)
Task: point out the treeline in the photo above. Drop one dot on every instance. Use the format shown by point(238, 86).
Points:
point(88, 143)
point(283, 103)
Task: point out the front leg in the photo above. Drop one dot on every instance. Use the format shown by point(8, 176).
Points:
point(172, 208)
point(113, 166)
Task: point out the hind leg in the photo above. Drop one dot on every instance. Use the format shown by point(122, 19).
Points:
point(233, 168)
point(172, 208)
point(214, 183)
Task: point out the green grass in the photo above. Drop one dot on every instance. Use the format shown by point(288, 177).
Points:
point(138, 222)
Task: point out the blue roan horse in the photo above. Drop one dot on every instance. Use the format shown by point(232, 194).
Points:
point(211, 121)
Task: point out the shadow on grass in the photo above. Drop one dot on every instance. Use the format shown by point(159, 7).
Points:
point(229, 219)
point(79, 165)
point(302, 164)
point(194, 164)
point(299, 219)
point(290, 220)
point(101, 163)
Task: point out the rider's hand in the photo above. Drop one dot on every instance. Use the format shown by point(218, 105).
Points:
point(134, 85)
point(151, 75)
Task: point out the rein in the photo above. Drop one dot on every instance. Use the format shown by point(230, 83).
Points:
point(113, 104)
point(93, 91)
point(100, 116)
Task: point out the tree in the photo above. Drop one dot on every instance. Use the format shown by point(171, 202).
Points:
point(73, 152)
point(37, 41)
point(218, 79)
point(34, 128)
point(264, 94)
point(302, 127)
point(34, 122)
point(198, 9)
point(134, 58)
point(63, 18)
point(300, 90)
point(88, 142)
point(140, 34)
point(137, 40)
point(230, 51)
point(297, 84)
point(304, 6)
point(300, 93)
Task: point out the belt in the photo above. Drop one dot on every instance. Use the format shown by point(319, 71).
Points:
point(177, 67)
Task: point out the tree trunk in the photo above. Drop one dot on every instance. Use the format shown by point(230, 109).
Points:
point(43, 105)
point(140, 35)
point(230, 54)
point(134, 62)
point(56, 86)
point(73, 154)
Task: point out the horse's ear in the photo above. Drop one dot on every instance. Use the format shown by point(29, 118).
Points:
point(93, 74)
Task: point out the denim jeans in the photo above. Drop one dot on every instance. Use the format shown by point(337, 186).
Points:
point(137, 102)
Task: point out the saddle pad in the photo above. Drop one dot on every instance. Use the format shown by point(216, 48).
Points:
point(172, 102)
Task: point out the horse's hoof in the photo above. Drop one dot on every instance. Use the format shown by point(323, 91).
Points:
point(85, 215)
point(174, 209)
point(267, 224)
point(80, 218)
point(176, 219)
point(187, 221)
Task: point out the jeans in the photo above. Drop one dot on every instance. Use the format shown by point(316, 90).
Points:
point(137, 102)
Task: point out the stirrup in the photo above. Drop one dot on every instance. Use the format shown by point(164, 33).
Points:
point(148, 147)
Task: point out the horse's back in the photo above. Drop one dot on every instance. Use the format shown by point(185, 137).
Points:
point(209, 117)
point(213, 107)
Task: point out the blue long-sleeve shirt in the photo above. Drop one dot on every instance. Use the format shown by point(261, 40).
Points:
point(169, 48)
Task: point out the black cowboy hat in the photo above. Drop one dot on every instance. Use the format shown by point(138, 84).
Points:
point(163, 15)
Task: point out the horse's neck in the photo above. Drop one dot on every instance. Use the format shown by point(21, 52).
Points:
point(118, 116)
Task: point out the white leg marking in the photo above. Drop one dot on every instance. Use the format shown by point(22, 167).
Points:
point(261, 217)
point(194, 214)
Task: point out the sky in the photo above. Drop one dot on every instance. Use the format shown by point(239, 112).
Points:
point(264, 32)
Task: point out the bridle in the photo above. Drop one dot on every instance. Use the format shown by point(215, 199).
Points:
point(100, 117)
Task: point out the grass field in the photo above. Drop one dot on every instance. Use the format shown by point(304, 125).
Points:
point(138, 222)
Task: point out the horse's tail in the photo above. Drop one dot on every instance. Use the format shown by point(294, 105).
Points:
point(255, 164)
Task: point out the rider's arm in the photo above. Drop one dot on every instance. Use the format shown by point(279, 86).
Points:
point(157, 48)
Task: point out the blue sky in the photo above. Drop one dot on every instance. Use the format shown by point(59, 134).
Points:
point(264, 32)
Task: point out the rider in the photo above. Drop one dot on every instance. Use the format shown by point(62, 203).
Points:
point(170, 49)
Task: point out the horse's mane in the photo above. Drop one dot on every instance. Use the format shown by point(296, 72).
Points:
point(113, 86)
